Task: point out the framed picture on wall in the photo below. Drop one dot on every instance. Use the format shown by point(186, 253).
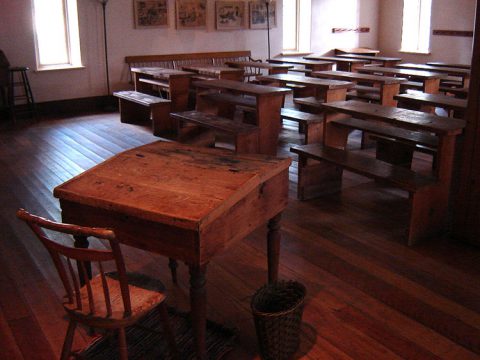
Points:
point(229, 15)
point(150, 13)
point(258, 14)
point(191, 14)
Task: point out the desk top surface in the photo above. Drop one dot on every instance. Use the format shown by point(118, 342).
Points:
point(406, 72)
point(160, 72)
point(357, 50)
point(336, 59)
point(446, 70)
point(442, 64)
point(359, 77)
point(369, 57)
point(242, 87)
point(411, 119)
point(183, 186)
point(211, 69)
point(298, 60)
point(309, 81)
point(258, 64)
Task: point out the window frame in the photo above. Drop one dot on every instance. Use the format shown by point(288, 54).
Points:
point(72, 38)
point(422, 29)
point(302, 29)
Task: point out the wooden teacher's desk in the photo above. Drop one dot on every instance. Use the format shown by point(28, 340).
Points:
point(175, 82)
point(183, 202)
point(268, 101)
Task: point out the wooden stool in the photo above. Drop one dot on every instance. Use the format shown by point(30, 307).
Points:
point(18, 78)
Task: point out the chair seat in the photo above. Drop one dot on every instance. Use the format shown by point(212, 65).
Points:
point(143, 300)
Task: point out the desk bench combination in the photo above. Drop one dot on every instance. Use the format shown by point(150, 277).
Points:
point(343, 64)
point(428, 195)
point(310, 65)
point(182, 202)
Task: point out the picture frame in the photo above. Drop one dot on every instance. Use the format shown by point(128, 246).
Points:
point(150, 13)
point(258, 14)
point(230, 15)
point(191, 14)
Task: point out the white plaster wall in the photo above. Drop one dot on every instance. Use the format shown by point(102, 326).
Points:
point(328, 14)
point(446, 15)
point(17, 41)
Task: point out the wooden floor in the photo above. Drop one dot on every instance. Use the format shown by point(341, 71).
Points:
point(369, 295)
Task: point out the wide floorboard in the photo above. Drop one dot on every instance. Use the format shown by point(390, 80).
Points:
point(369, 295)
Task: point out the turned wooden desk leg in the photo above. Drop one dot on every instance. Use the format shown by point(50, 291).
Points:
point(198, 303)
point(273, 239)
point(83, 243)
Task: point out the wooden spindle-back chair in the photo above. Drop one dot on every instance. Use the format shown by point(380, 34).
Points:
point(106, 302)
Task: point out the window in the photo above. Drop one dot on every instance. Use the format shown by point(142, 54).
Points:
point(416, 25)
point(296, 33)
point(57, 38)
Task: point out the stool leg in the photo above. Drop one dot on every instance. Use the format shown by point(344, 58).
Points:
point(28, 93)
point(11, 101)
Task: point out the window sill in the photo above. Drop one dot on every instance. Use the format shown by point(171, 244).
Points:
point(415, 52)
point(59, 67)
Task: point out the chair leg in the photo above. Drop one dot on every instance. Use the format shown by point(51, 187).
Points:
point(172, 264)
point(122, 344)
point(168, 333)
point(67, 344)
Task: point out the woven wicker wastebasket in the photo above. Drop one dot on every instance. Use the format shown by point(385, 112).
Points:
point(277, 311)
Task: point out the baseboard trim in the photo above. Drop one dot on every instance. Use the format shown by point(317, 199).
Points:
point(77, 106)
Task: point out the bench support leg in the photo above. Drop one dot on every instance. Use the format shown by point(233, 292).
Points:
point(313, 132)
point(317, 178)
point(428, 213)
point(247, 144)
point(133, 113)
point(161, 120)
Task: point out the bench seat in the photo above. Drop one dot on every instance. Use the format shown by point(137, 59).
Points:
point(136, 106)
point(245, 135)
point(310, 124)
point(394, 145)
point(320, 171)
point(427, 102)
point(309, 104)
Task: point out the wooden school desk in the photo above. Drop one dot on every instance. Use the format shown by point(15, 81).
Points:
point(187, 203)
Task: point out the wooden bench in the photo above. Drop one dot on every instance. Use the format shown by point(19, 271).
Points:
point(176, 61)
point(324, 175)
point(245, 135)
point(428, 102)
point(394, 145)
point(461, 93)
point(362, 92)
point(309, 104)
point(310, 124)
point(135, 107)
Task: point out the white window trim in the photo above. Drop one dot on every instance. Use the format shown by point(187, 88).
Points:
point(425, 50)
point(73, 40)
point(303, 28)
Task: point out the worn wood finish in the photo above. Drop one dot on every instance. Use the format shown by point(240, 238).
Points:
point(444, 64)
point(427, 102)
point(175, 82)
point(426, 198)
point(462, 73)
point(357, 51)
point(429, 79)
point(321, 89)
point(308, 64)
point(245, 135)
point(343, 64)
point(137, 107)
point(310, 124)
point(269, 101)
point(272, 68)
point(212, 196)
point(389, 86)
point(216, 72)
point(382, 60)
point(368, 295)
